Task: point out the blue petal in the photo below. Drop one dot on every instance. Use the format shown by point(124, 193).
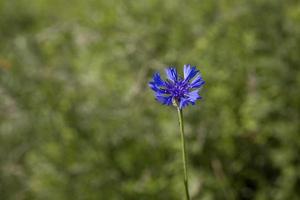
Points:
point(158, 85)
point(186, 70)
point(183, 103)
point(157, 80)
point(172, 74)
point(157, 89)
point(193, 96)
point(165, 100)
point(189, 72)
point(197, 82)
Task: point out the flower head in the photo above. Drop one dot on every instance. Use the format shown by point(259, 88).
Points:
point(176, 89)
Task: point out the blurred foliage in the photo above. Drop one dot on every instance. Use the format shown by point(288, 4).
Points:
point(78, 121)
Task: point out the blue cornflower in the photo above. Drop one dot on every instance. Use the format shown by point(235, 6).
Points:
point(177, 90)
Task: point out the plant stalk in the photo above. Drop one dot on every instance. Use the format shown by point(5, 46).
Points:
point(184, 159)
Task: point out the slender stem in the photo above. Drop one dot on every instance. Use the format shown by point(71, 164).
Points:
point(180, 119)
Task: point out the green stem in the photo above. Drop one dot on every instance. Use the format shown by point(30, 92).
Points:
point(180, 118)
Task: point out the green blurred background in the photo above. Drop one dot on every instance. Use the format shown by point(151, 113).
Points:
point(78, 121)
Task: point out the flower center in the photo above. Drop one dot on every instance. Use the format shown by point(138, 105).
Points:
point(178, 89)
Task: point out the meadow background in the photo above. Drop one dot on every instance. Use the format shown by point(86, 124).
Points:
point(78, 121)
